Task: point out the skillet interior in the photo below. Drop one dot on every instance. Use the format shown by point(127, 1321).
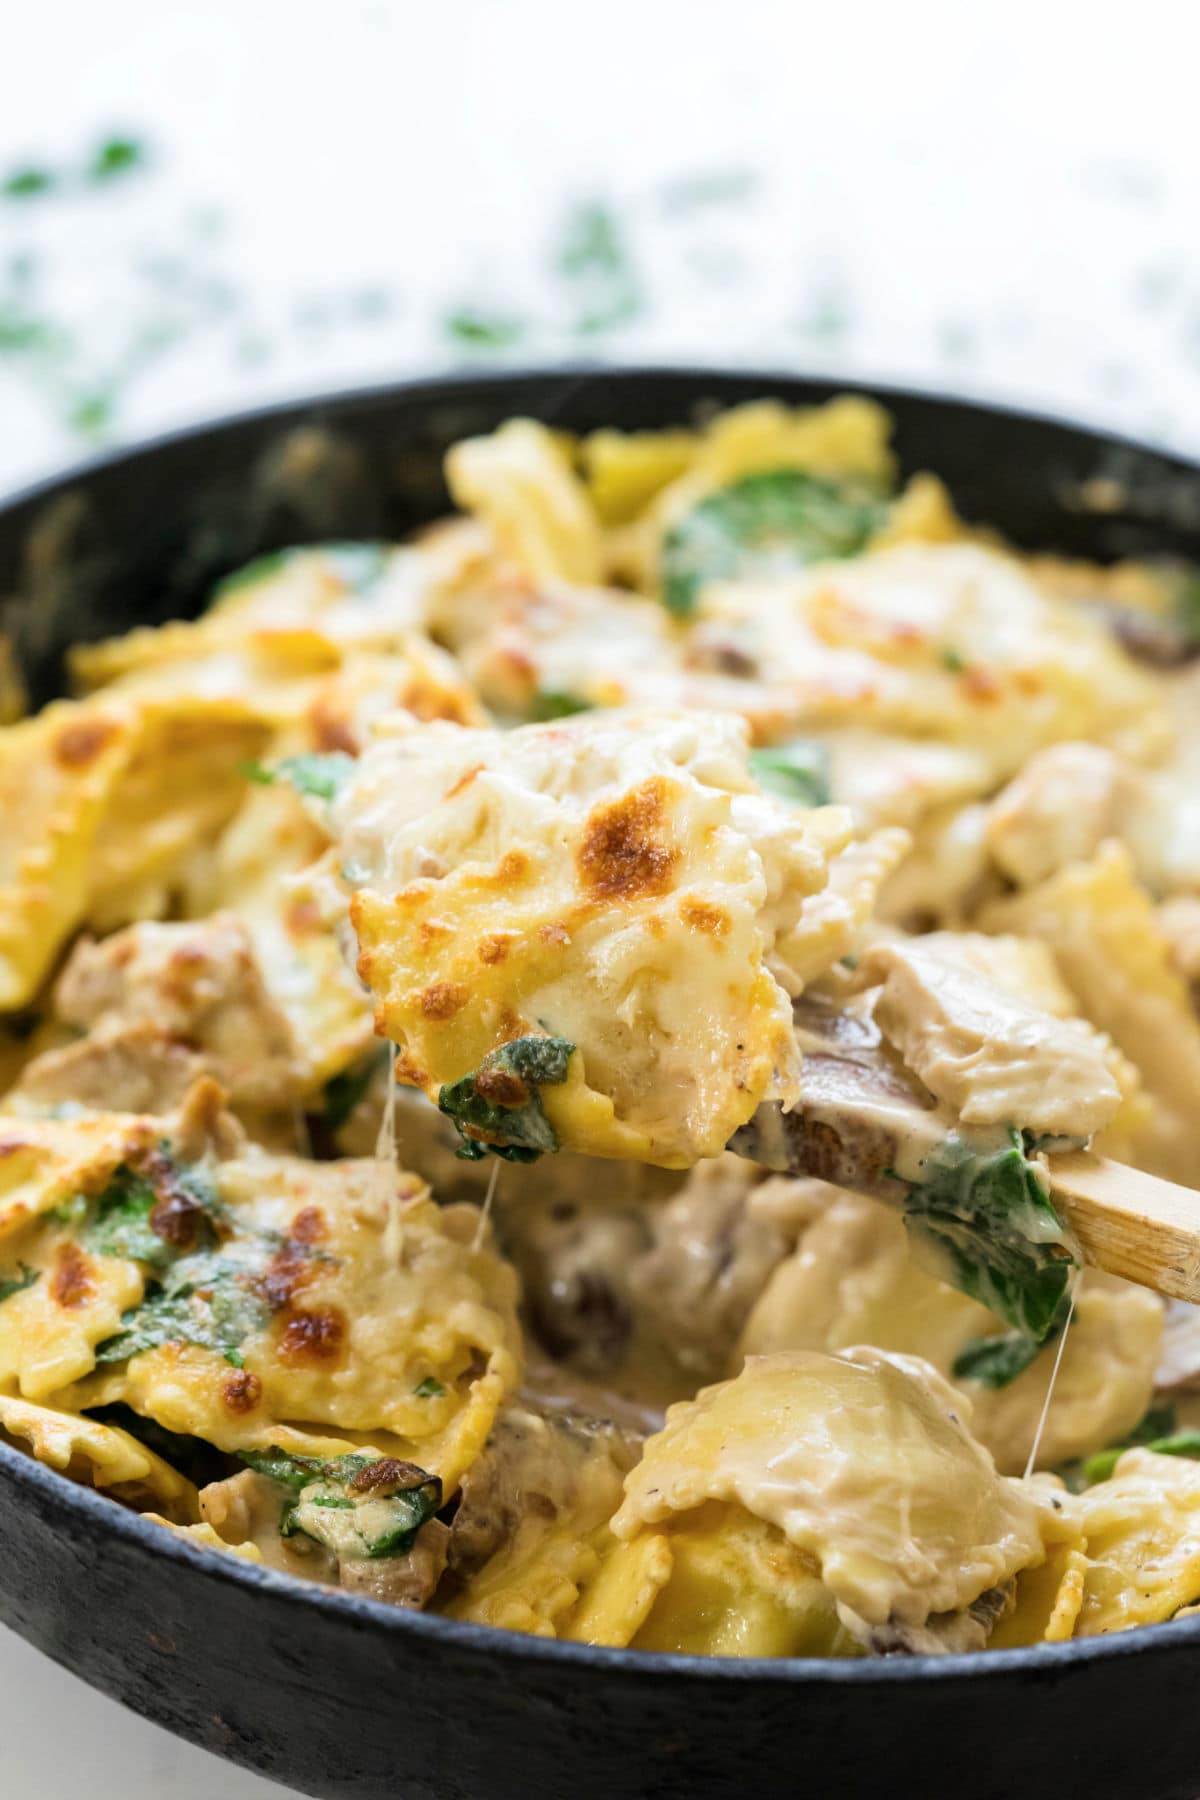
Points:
point(342, 1696)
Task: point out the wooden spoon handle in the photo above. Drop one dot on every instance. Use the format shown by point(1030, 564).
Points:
point(1131, 1224)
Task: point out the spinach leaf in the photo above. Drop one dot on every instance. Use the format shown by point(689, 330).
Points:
point(356, 1505)
point(994, 1232)
point(320, 774)
point(296, 1472)
point(498, 1106)
point(206, 1299)
point(1180, 1443)
point(344, 1092)
point(766, 523)
point(551, 703)
point(358, 566)
point(995, 1361)
point(153, 1216)
point(798, 771)
point(122, 1226)
point(1156, 1431)
point(16, 1284)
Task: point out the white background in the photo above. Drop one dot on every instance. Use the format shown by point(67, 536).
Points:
point(998, 198)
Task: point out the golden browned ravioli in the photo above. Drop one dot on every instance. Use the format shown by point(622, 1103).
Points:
point(611, 893)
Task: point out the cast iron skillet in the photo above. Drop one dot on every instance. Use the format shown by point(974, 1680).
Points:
point(341, 1696)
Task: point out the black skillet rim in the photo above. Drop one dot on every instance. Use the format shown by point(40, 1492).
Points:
point(105, 1514)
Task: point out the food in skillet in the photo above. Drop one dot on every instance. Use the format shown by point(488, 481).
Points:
point(680, 772)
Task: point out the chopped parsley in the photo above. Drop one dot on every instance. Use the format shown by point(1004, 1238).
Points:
point(595, 268)
point(17, 1284)
point(112, 158)
point(498, 1106)
point(357, 1506)
point(765, 524)
point(952, 660)
point(28, 182)
point(483, 330)
point(320, 774)
point(994, 1233)
point(429, 1389)
point(797, 771)
point(115, 156)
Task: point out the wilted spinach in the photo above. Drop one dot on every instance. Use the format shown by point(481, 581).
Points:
point(356, 1505)
point(498, 1106)
point(772, 521)
point(995, 1234)
point(358, 566)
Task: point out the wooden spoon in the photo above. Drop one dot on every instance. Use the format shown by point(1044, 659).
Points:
point(861, 1116)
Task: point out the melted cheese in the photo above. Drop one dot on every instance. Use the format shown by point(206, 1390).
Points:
point(947, 642)
point(395, 1296)
point(862, 1462)
point(613, 880)
point(989, 1056)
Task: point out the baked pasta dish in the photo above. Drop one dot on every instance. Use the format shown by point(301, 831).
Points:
point(538, 1062)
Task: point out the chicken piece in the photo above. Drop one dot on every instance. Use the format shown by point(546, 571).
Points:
point(1059, 809)
point(135, 1070)
point(983, 1050)
point(198, 985)
point(409, 1580)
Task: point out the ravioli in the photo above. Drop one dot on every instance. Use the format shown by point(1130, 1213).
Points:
point(1102, 927)
point(612, 885)
point(253, 1300)
point(862, 1462)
